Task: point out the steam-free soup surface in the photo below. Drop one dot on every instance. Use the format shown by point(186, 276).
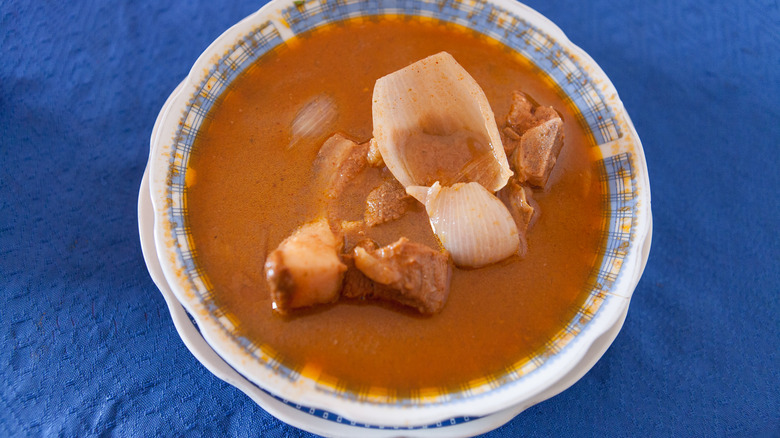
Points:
point(247, 192)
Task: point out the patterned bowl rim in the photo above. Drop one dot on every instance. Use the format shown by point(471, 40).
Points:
point(623, 175)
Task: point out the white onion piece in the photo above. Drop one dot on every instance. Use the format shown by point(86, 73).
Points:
point(472, 224)
point(313, 119)
point(432, 122)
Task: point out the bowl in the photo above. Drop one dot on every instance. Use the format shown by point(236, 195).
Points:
point(567, 355)
point(304, 417)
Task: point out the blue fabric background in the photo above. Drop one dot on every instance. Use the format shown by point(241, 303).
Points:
point(88, 347)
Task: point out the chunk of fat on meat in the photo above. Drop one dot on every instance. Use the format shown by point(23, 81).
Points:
point(305, 269)
point(386, 203)
point(524, 210)
point(533, 138)
point(408, 273)
point(338, 162)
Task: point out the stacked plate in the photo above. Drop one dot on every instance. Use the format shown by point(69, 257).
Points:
point(301, 402)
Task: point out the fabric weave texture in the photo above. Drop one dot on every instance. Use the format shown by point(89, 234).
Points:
point(89, 346)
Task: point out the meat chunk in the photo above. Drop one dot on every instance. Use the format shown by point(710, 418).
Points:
point(533, 138)
point(408, 273)
point(356, 284)
point(524, 115)
point(519, 200)
point(353, 232)
point(338, 162)
point(305, 268)
point(534, 159)
point(386, 203)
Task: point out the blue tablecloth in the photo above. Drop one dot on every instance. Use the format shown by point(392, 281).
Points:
point(88, 347)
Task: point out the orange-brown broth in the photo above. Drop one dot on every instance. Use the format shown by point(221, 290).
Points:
point(248, 192)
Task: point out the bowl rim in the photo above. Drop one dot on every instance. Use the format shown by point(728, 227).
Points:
point(308, 392)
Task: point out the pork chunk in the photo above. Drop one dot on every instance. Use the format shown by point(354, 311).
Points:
point(524, 115)
point(305, 268)
point(534, 159)
point(356, 284)
point(386, 203)
point(338, 162)
point(520, 203)
point(352, 232)
point(533, 138)
point(408, 273)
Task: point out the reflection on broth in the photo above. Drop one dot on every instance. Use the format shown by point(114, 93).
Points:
point(254, 191)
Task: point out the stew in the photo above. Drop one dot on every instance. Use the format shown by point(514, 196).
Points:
point(249, 188)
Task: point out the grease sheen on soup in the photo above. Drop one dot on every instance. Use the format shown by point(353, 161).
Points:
point(247, 192)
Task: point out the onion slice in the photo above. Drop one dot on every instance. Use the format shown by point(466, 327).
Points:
point(470, 222)
point(432, 122)
point(313, 120)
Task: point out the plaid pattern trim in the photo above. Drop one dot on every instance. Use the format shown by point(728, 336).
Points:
point(248, 49)
point(618, 186)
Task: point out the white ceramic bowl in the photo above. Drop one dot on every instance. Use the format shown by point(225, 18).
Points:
point(571, 352)
point(301, 416)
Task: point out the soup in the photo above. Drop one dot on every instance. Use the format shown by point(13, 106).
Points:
point(249, 188)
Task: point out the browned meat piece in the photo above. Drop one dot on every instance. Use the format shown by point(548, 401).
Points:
point(356, 284)
point(352, 231)
point(534, 159)
point(305, 268)
point(533, 138)
point(519, 200)
point(510, 139)
point(386, 203)
point(408, 273)
point(338, 162)
point(524, 115)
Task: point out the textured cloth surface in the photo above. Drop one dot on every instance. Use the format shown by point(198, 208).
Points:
point(89, 347)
